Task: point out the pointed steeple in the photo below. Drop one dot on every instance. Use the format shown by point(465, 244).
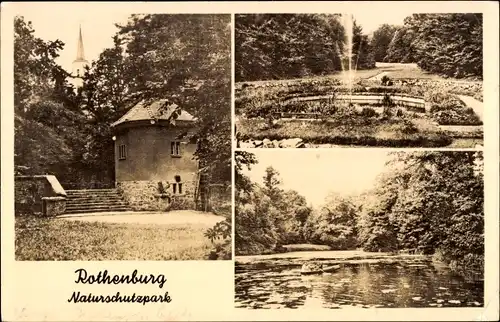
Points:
point(80, 55)
point(79, 63)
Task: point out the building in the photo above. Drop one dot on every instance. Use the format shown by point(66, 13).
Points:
point(155, 168)
point(79, 64)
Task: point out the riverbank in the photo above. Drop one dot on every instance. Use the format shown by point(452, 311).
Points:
point(329, 255)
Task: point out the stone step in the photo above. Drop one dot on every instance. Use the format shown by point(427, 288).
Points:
point(89, 190)
point(93, 198)
point(78, 194)
point(88, 210)
point(96, 207)
point(96, 204)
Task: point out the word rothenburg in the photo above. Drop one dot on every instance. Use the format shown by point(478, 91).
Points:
point(103, 278)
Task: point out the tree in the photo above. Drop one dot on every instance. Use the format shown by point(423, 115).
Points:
point(450, 44)
point(333, 224)
point(187, 60)
point(430, 202)
point(362, 51)
point(400, 49)
point(46, 130)
point(382, 38)
point(272, 182)
point(275, 46)
point(34, 65)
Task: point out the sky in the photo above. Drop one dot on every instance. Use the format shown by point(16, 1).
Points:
point(314, 174)
point(97, 29)
point(61, 21)
point(371, 20)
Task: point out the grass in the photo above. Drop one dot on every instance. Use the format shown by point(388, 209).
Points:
point(355, 130)
point(395, 71)
point(305, 247)
point(59, 239)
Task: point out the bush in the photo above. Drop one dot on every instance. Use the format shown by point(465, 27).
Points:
point(385, 80)
point(463, 116)
point(368, 112)
point(182, 203)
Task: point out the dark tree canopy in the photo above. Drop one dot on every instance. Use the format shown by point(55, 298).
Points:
point(447, 44)
point(276, 46)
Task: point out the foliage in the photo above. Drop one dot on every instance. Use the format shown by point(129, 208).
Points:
point(266, 217)
point(386, 81)
point(221, 231)
point(34, 66)
point(450, 44)
point(354, 130)
point(368, 112)
point(47, 122)
point(380, 41)
point(333, 224)
point(186, 59)
point(463, 116)
point(274, 46)
point(448, 109)
point(428, 201)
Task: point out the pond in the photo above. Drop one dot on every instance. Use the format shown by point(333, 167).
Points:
point(366, 284)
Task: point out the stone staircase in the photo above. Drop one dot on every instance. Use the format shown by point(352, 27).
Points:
point(94, 200)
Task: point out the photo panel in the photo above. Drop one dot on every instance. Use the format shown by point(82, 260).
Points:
point(311, 80)
point(351, 228)
point(122, 137)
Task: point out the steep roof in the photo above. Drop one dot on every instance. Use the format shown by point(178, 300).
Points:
point(141, 112)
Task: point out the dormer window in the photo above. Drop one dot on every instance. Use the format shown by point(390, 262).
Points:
point(175, 148)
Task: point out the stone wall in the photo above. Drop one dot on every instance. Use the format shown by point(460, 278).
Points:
point(157, 195)
point(30, 192)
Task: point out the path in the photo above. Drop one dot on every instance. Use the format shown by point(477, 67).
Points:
point(159, 218)
point(378, 76)
point(473, 103)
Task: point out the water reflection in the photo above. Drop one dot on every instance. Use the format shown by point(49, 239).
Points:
point(386, 284)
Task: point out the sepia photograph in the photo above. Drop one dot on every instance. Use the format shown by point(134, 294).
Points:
point(359, 228)
point(396, 80)
point(122, 136)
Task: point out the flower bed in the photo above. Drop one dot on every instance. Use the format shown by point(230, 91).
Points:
point(354, 130)
point(448, 109)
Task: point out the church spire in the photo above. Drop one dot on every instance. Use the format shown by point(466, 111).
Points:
point(80, 55)
point(79, 63)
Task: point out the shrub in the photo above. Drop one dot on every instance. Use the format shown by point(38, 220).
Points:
point(368, 112)
point(385, 80)
point(463, 116)
point(182, 203)
point(399, 113)
point(387, 100)
point(220, 237)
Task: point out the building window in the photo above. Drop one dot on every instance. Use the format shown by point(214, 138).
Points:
point(175, 148)
point(177, 186)
point(122, 153)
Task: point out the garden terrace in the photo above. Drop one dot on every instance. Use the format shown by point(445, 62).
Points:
point(427, 104)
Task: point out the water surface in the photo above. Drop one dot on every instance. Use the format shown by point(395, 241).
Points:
point(389, 283)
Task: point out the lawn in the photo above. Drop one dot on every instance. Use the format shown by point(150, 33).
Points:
point(305, 247)
point(356, 130)
point(60, 239)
